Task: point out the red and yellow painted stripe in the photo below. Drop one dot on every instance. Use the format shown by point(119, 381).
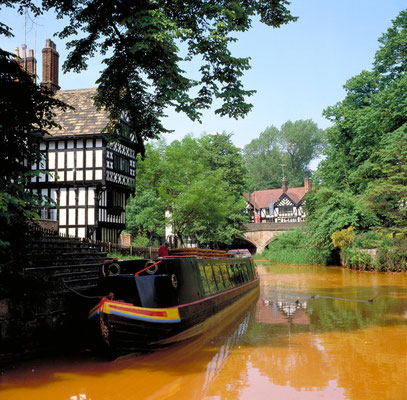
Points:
point(127, 310)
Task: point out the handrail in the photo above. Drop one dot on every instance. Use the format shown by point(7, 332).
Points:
point(145, 269)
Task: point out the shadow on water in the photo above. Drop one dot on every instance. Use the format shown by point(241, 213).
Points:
point(187, 357)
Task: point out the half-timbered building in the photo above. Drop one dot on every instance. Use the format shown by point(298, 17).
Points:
point(277, 205)
point(88, 178)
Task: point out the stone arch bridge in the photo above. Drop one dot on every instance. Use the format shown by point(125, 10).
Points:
point(260, 235)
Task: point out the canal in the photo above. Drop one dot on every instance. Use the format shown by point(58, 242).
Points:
point(313, 334)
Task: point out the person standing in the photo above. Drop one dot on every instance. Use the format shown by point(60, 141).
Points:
point(163, 250)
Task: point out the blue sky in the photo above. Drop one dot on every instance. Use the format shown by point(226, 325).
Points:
point(297, 70)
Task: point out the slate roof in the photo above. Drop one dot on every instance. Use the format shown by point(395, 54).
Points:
point(262, 198)
point(84, 119)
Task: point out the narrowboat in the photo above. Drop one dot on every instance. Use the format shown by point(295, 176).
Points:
point(153, 303)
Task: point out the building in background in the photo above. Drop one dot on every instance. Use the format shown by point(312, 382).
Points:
point(277, 205)
point(89, 179)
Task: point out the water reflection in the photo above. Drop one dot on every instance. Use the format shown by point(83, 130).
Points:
point(287, 346)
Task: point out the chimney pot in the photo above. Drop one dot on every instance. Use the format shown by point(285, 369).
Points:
point(17, 52)
point(307, 184)
point(284, 185)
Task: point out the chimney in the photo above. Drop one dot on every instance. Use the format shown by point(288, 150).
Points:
point(284, 184)
point(50, 66)
point(28, 64)
point(18, 59)
point(307, 184)
point(31, 65)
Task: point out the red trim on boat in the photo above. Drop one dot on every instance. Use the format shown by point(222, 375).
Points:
point(139, 311)
point(217, 294)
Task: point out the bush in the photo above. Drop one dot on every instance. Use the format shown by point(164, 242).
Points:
point(292, 247)
point(344, 237)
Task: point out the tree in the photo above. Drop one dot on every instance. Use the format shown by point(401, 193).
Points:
point(192, 181)
point(364, 169)
point(293, 147)
point(26, 113)
point(375, 105)
point(387, 194)
point(142, 40)
point(329, 210)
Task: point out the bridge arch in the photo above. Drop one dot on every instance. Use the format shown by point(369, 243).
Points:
point(261, 235)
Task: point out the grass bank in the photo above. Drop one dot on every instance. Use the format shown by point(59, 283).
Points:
point(292, 247)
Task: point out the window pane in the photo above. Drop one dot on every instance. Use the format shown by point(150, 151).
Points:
point(226, 279)
point(204, 281)
point(218, 277)
point(211, 279)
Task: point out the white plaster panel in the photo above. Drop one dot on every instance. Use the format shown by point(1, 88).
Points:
point(81, 232)
point(61, 145)
point(79, 175)
point(98, 158)
point(70, 159)
point(98, 143)
point(71, 231)
point(89, 175)
point(79, 159)
point(82, 196)
point(61, 160)
point(79, 144)
point(91, 216)
point(61, 175)
point(70, 144)
point(72, 197)
point(62, 216)
point(89, 158)
point(69, 175)
point(72, 216)
point(51, 160)
point(91, 196)
point(98, 174)
point(62, 231)
point(89, 143)
point(54, 194)
point(81, 216)
point(62, 197)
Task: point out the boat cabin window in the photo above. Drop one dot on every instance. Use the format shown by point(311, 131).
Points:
point(219, 277)
point(212, 284)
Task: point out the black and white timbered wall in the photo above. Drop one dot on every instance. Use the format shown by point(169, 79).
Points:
point(90, 181)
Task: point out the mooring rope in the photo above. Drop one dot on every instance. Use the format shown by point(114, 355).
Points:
point(80, 294)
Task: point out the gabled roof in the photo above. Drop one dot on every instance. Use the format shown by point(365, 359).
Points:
point(84, 119)
point(262, 198)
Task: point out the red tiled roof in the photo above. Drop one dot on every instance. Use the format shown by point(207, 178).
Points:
point(262, 198)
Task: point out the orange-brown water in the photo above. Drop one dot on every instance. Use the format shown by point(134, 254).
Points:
point(288, 346)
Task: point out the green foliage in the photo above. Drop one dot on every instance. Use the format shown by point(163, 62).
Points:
point(26, 113)
point(363, 179)
point(198, 183)
point(123, 257)
point(329, 210)
point(292, 247)
point(344, 237)
point(387, 194)
point(295, 145)
point(147, 42)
